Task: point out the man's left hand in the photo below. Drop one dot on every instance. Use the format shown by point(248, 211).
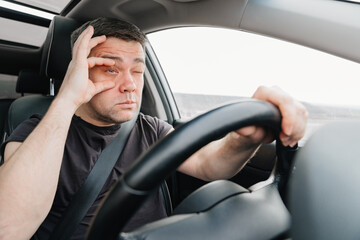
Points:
point(294, 118)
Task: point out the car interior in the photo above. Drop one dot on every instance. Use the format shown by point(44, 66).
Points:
point(257, 203)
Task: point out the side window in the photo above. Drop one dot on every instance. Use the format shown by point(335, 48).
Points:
point(206, 67)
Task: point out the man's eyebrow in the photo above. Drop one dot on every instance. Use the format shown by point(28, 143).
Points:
point(139, 60)
point(119, 59)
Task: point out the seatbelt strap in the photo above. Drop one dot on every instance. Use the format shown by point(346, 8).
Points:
point(89, 191)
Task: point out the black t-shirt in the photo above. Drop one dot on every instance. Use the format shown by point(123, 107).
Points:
point(82, 148)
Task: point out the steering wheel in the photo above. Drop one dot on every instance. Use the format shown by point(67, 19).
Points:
point(241, 207)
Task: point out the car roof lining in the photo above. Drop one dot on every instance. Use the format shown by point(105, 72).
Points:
point(276, 19)
point(308, 24)
point(163, 14)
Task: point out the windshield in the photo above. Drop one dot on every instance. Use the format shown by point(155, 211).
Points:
point(211, 66)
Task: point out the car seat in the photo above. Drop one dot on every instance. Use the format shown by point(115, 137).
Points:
point(56, 55)
point(28, 81)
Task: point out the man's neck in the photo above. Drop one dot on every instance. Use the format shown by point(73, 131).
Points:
point(80, 112)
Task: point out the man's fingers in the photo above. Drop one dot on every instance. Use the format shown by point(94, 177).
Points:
point(247, 131)
point(255, 134)
point(285, 139)
point(294, 114)
point(283, 101)
point(288, 140)
point(81, 45)
point(81, 36)
point(288, 113)
point(293, 125)
point(92, 61)
point(294, 118)
point(94, 42)
point(103, 86)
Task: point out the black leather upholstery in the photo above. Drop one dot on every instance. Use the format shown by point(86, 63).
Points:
point(56, 54)
point(22, 108)
point(4, 108)
point(30, 81)
point(57, 49)
point(55, 58)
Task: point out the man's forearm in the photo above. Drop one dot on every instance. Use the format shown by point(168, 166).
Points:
point(29, 176)
point(220, 159)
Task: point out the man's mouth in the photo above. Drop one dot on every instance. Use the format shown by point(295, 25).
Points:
point(127, 104)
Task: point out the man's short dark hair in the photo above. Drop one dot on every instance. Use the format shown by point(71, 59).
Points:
point(111, 27)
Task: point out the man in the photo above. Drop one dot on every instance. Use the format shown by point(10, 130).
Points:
point(102, 89)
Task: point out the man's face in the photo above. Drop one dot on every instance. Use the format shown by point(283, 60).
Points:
point(118, 104)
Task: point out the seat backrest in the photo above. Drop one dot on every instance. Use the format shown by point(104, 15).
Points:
point(16, 111)
point(24, 107)
point(29, 81)
point(56, 56)
point(4, 107)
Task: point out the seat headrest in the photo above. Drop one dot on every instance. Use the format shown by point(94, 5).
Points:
point(56, 55)
point(30, 81)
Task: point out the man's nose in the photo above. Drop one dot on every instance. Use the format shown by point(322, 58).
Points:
point(127, 83)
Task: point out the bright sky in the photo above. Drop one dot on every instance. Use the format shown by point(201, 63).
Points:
point(227, 62)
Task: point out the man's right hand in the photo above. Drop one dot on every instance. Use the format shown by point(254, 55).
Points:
point(77, 88)
point(29, 176)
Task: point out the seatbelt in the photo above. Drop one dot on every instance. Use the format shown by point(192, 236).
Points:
point(89, 191)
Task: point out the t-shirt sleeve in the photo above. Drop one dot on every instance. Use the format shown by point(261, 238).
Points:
point(21, 132)
point(161, 127)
